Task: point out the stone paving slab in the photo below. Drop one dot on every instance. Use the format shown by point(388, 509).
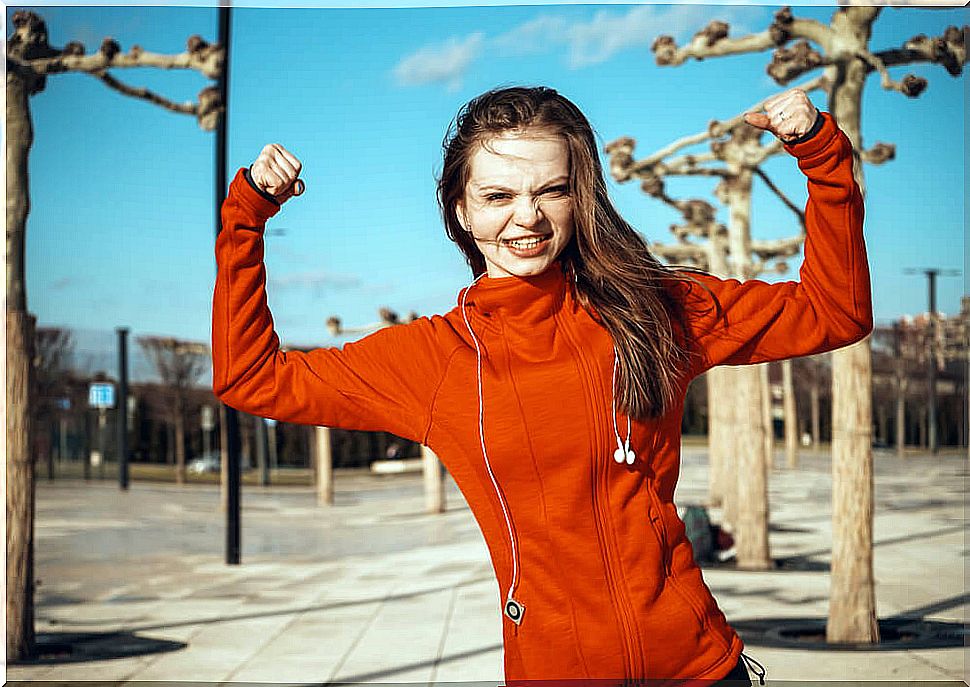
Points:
point(374, 590)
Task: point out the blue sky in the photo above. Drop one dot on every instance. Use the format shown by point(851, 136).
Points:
point(120, 231)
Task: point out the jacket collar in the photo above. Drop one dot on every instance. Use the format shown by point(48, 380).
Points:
point(527, 300)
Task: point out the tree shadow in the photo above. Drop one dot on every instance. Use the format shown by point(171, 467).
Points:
point(54, 648)
point(904, 631)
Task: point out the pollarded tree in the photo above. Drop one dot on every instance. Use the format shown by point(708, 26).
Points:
point(739, 430)
point(30, 60)
point(841, 51)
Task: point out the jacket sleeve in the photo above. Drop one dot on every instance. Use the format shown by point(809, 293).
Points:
point(385, 381)
point(829, 307)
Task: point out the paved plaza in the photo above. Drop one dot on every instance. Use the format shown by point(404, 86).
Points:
point(372, 589)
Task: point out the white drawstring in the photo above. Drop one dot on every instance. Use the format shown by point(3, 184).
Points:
point(513, 609)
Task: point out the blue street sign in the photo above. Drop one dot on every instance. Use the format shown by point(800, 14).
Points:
point(101, 395)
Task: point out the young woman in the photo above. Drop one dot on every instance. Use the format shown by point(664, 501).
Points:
point(553, 391)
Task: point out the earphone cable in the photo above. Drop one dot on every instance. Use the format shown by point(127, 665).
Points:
point(481, 436)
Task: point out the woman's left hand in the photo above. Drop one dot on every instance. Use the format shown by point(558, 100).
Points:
point(787, 115)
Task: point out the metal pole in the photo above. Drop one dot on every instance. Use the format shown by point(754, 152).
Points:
point(233, 497)
point(122, 407)
point(931, 365)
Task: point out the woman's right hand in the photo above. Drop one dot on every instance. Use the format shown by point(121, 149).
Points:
point(277, 172)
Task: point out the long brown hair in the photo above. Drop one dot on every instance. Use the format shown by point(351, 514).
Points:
point(617, 279)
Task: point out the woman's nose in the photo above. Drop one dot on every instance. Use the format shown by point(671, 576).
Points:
point(527, 212)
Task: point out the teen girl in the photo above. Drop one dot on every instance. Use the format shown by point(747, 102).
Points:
point(553, 391)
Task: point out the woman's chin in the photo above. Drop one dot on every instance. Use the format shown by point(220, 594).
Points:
point(520, 268)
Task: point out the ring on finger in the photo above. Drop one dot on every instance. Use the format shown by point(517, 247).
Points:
point(298, 187)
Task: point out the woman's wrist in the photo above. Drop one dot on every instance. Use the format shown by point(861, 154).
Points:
point(816, 127)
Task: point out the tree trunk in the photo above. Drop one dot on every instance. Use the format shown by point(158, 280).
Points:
point(718, 436)
point(816, 414)
point(852, 608)
point(791, 415)
point(766, 404)
point(179, 440)
point(752, 473)
point(751, 455)
point(19, 475)
point(19, 489)
point(731, 416)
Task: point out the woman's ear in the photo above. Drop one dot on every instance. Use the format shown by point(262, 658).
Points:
point(460, 214)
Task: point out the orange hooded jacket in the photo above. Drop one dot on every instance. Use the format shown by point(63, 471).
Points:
point(593, 549)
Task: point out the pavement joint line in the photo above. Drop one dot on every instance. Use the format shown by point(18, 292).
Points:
point(444, 635)
point(358, 638)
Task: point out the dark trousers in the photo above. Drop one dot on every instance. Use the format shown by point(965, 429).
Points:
point(738, 677)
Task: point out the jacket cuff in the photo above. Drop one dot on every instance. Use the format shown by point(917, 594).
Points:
point(259, 208)
point(820, 135)
point(248, 172)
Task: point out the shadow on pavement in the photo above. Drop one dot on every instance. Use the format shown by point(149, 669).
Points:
point(78, 647)
point(226, 618)
point(906, 630)
point(808, 634)
point(386, 672)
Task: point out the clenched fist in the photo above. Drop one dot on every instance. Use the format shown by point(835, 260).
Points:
point(277, 172)
point(787, 115)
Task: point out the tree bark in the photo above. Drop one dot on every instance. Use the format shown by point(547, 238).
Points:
point(752, 473)
point(852, 607)
point(791, 415)
point(852, 604)
point(718, 435)
point(751, 456)
point(766, 403)
point(19, 475)
point(733, 445)
point(19, 490)
point(816, 413)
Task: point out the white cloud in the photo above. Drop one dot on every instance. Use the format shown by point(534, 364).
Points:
point(535, 35)
point(444, 63)
point(316, 282)
point(586, 42)
point(608, 32)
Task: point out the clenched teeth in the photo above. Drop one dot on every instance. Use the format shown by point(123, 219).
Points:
point(525, 244)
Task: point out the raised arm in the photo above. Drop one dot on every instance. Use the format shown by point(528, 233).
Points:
point(385, 381)
point(829, 307)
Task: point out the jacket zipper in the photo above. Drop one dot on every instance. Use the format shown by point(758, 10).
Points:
point(623, 614)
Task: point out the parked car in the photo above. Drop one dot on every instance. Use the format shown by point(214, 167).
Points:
point(207, 462)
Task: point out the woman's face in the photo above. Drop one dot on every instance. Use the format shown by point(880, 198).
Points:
point(517, 202)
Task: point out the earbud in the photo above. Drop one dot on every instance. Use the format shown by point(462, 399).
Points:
point(621, 454)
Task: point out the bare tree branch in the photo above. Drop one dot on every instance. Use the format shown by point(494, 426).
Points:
point(878, 154)
point(712, 41)
point(799, 213)
point(200, 56)
point(145, 94)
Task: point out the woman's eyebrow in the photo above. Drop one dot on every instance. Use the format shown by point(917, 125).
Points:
point(499, 187)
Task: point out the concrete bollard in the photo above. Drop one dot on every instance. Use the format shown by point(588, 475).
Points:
point(324, 458)
point(434, 482)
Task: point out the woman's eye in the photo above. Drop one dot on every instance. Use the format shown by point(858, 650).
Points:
point(557, 191)
point(492, 197)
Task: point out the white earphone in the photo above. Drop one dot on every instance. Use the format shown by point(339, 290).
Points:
point(623, 453)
